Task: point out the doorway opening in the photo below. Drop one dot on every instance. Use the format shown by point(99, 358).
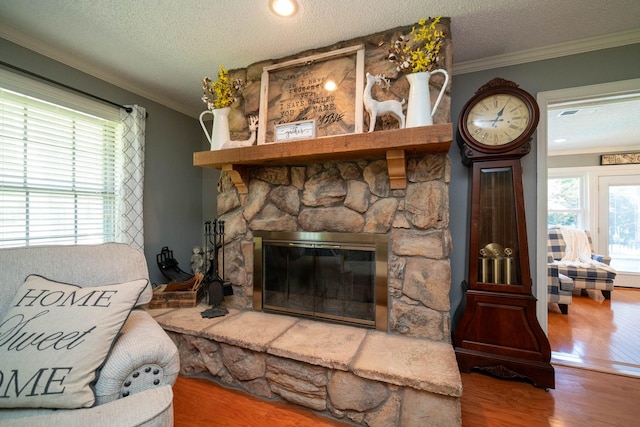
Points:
point(563, 102)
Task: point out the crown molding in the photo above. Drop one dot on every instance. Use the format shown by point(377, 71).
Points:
point(31, 43)
point(554, 51)
point(594, 150)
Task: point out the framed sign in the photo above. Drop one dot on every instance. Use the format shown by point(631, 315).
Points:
point(620, 159)
point(304, 129)
point(326, 87)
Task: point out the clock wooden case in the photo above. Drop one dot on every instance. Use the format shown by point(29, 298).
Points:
point(499, 332)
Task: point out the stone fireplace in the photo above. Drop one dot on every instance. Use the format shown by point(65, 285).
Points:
point(352, 197)
point(406, 376)
point(389, 186)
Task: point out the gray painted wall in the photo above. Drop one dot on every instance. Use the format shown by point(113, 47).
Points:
point(173, 187)
point(573, 161)
point(210, 178)
point(585, 69)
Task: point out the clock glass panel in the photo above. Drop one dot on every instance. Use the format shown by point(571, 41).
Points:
point(498, 119)
point(498, 254)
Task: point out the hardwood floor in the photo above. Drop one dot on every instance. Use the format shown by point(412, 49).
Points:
point(581, 398)
point(594, 332)
point(598, 333)
point(203, 403)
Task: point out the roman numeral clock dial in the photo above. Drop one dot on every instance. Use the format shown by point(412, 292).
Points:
point(498, 120)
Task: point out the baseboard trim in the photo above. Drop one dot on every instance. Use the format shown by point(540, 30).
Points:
point(598, 365)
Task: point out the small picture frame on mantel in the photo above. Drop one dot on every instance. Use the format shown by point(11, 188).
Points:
point(303, 129)
point(325, 87)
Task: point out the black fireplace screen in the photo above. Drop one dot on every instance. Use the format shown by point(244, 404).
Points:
point(328, 280)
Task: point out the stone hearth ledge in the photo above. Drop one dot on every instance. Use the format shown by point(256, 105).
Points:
point(403, 361)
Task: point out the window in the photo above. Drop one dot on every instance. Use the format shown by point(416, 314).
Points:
point(565, 204)
point(58, 173)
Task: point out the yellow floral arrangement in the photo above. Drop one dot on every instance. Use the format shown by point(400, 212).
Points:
point(425, 54)
point(221, 93)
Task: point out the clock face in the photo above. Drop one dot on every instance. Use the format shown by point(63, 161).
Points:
point(498, 119)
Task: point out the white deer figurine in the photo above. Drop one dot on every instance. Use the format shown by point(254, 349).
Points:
point(253, 126)
point(378, 108)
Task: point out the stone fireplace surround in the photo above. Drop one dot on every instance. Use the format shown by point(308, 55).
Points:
point(349, 373)
point(407, 376)
point(353, 197)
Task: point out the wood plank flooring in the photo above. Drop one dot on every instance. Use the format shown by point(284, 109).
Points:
point(594, 332)
point(203, 403)
point(597, 331)
point(581, 398)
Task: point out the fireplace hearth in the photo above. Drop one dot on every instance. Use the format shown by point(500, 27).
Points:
point(337, 277)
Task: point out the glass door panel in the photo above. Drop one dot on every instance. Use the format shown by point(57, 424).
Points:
point(620, 226)
point(498, 233)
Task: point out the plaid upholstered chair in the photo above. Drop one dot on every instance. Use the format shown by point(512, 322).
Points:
point(559, 288)
point(584, 277)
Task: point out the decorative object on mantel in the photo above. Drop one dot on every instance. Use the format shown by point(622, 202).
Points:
point(419, 60)
point(378, 108)
point(304, 129)
point(263, 95)
point(253, 126)
point(219, 95)
point(326, 86)
point(220, 130)
point(620, 159)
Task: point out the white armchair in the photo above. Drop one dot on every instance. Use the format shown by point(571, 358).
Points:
point(134, 384)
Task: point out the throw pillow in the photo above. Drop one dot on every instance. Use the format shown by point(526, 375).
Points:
point(55, 338)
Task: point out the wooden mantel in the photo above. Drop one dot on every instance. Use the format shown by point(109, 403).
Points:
point(393, 145)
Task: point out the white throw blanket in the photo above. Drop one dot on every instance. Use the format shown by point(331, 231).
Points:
point(578, 250)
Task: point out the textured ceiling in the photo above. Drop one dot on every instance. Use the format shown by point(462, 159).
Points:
point(161, 49)
point(586, 126)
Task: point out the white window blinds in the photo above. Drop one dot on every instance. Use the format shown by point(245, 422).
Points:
point(58, 173)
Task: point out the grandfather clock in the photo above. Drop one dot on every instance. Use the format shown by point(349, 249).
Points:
point(499, 333)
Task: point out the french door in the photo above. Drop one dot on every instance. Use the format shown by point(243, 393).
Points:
point(619, 224)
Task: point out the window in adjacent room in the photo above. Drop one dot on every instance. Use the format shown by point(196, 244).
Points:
point(566, 203)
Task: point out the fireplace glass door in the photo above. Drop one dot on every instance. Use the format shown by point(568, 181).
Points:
point(330, 281)
point(339, 277)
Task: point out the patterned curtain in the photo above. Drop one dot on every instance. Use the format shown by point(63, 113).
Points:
point(130, 227)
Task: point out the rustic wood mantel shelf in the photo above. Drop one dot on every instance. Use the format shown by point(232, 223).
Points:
point(390, 144)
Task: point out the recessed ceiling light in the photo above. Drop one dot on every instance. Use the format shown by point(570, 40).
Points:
point(560, 140)
point(284, 8)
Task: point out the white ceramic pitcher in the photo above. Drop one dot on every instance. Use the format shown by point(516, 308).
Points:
point(419, 111)
point(220, 132)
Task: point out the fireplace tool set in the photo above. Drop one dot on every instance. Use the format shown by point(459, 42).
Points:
point(210, 255)
point(216, 287)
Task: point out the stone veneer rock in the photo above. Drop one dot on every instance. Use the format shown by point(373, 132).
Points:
point(353, 197)
point(367, 377)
